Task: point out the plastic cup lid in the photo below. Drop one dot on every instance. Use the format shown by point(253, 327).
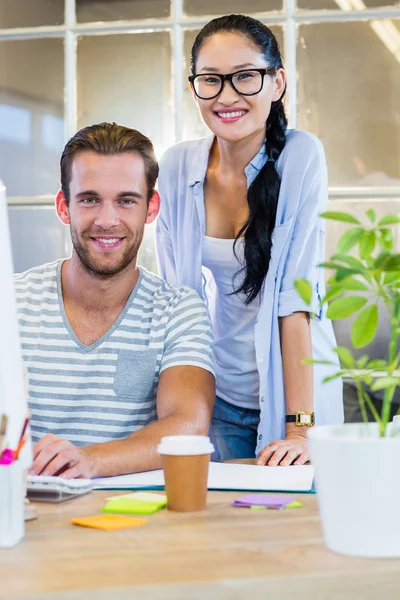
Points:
point(185, 445)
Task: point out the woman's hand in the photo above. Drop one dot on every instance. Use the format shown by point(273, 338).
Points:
point(292, 450)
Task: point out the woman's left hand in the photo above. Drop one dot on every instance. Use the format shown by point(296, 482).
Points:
point(292, 450)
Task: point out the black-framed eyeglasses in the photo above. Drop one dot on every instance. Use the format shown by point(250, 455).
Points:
point(247, 82)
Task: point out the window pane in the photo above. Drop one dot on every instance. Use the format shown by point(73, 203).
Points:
point(31, 115)
point(114, 10)
point(31, 13)
point(37, 236)
point(349, 90)
point(226, 7)
point(344, 4)
point(193, 126)
point(147, 254)
point(126, 78)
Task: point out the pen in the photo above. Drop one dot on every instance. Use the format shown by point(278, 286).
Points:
point(3, 429)
point(21, 439)
point(19, 448)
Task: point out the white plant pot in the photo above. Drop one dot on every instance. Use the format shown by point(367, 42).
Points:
point(357, 476)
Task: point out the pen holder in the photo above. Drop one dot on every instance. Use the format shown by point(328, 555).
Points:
point(12, 520)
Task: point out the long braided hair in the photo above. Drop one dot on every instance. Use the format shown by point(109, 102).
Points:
point(263, 193)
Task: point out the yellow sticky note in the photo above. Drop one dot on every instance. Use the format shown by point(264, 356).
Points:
point(294, 504)
point(131, 506)
point(143, 497)
point(108, 522)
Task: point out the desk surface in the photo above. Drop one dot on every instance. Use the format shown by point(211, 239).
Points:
point(220, 553)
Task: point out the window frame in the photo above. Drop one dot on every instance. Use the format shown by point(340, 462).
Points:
point(176, 24)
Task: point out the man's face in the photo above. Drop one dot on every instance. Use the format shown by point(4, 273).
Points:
point(107, 210)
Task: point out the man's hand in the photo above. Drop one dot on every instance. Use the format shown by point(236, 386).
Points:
point(292, 450)
point(52, 456)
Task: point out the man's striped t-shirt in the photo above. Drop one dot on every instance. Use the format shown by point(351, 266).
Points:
point(93, 394)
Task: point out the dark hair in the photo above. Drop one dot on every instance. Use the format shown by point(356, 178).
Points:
point(263, 193)
point(109, 139)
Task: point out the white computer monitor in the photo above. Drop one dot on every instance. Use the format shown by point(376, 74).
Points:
point(13, 401)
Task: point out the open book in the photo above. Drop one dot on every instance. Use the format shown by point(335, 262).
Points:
point(224, 476)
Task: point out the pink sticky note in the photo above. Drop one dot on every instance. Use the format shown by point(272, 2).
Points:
point(268, 501)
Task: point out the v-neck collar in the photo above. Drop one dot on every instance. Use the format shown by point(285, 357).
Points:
point(198, 167)
point(108, 333)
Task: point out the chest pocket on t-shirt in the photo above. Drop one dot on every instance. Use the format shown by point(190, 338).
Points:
point(135, 374)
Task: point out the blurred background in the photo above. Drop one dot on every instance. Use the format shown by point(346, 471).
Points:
point(65, 64)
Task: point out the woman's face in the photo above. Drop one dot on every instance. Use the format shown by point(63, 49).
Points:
point(231, 116)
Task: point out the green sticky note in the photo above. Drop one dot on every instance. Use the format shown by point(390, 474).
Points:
point(294, 504)
point(129, 506)
point(259, 507)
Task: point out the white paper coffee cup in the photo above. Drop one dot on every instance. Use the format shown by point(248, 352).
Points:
point(185, 460)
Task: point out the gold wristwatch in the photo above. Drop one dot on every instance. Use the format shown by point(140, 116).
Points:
point(302, 419)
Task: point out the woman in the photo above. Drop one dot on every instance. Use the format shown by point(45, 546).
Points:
point(239, 223)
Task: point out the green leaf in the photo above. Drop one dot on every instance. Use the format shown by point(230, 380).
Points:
point(381, 260)
point(340, 216)
point(345, 356)
point(342, 273)
point(349, 239)
point(362, 361)
point(377, 363)
point(332, 293)
point(371, 215)
point(367, 379)
point(304, 289)
point(351, 261)
point(381, 383)
point(345, 307)
point(332, 377)
point(312, 361)
point(367, 243)
point(364, 327)
point(389, 220)
point(391, 277)
point(393, 263)
point(386, 240)
point(330, 265)
point(352, 284)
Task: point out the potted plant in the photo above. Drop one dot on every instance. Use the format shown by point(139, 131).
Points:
point(357, 466)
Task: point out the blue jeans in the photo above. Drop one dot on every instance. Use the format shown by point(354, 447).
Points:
point(233, 431)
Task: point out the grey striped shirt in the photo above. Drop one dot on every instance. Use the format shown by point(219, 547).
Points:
point(93, 394)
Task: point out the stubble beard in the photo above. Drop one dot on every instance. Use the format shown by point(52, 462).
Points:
point(102, 269)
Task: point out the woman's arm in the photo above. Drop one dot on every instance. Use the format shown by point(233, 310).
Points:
point(295, 334)
point(306, 252)
point(295, 337)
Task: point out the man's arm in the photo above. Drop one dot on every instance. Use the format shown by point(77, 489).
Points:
point(185, 401)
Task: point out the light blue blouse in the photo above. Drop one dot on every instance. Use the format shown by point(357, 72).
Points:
point(298, 246)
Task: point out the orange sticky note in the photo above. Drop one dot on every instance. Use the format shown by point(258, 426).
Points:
point(108, 522)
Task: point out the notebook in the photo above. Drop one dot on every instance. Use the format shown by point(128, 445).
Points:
point(225, 477)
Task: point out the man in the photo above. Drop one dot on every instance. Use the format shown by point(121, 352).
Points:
point(117, 358)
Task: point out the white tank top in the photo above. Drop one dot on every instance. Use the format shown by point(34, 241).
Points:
point(237, 378)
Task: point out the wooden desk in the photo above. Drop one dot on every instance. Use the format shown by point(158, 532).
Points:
point(220, 553)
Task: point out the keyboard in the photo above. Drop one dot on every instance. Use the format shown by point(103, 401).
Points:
point(42, 488)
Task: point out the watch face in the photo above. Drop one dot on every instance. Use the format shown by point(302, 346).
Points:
point(305, 419)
